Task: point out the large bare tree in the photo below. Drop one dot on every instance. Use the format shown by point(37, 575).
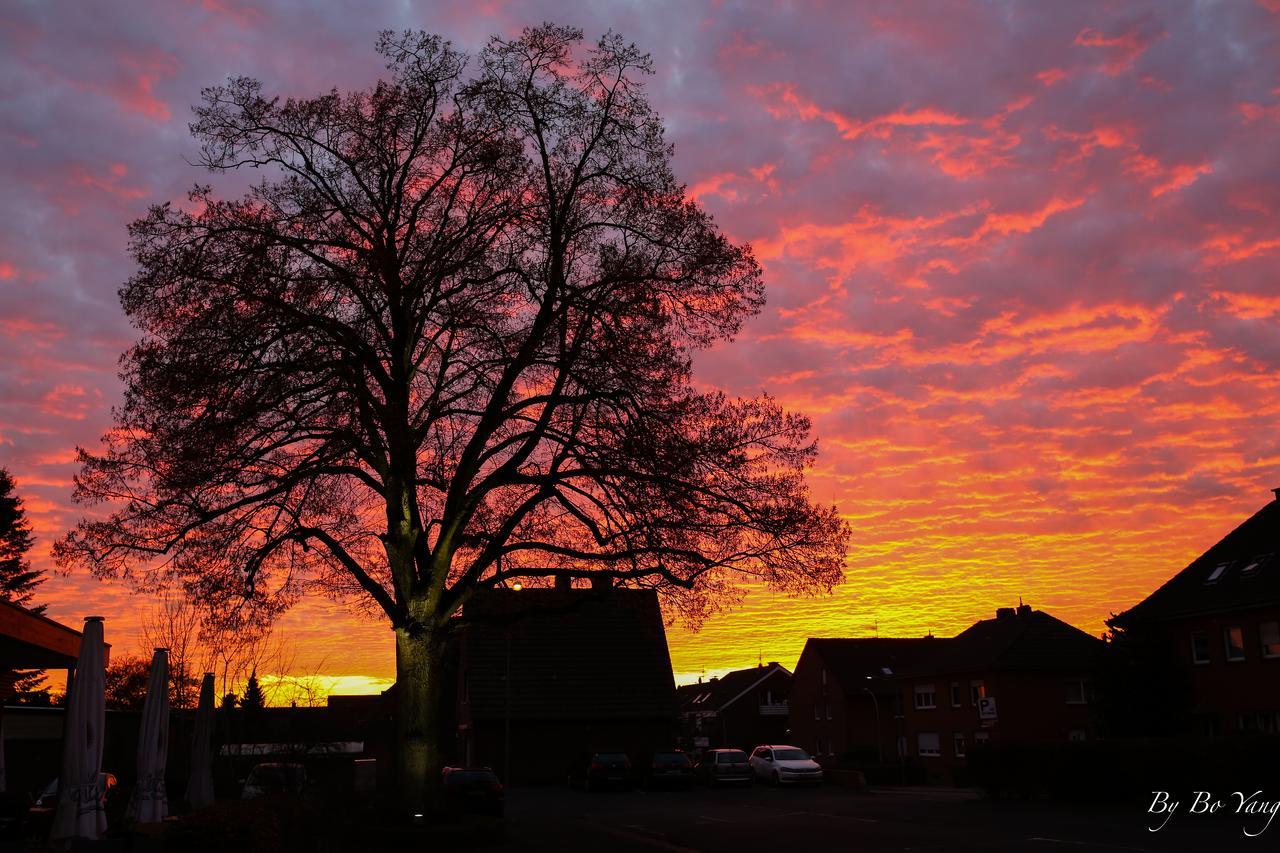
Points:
point(442, 345)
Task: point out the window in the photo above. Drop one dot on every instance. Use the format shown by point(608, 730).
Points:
point(981, 738)
point(817, 711)
point(1200, 647)
point(955, 694)
point(824, 680)
point(828, 709)
point(959, 738)
point(926, 697)
point(818, 747)
point(1269, 633)
point(1233, 638)
point(1077, 693)
point(977, 690)
point(1217, 572)
point(1251, 567)
point(1076, 736)
point(930, 744)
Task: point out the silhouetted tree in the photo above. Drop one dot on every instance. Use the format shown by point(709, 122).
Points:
point(229, 701)
point(443, 345)
point(1142, 690)
point(18, 581)
point(126, 683)
point(253, 699)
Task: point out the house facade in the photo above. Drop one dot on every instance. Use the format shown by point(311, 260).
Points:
point(1218, 624)
point(547, 676)
point(925, 704)
point(740, 709)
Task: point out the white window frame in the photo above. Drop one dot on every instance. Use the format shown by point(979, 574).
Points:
point(1208, 649)
point(959, 744)
point(923, 690)
point(1226, 643)
point(977, 690)
point(934, 751)
point(1084, 691)
point(955, 694)
point(1269, 650)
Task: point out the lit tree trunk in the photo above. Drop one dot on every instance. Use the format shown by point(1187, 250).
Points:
point(420, 694)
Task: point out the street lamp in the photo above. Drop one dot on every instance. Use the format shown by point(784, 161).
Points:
point(879, 740)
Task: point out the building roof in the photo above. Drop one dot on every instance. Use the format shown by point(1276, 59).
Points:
point(571, 654)
point(852, 661)
point(1016, 639)
point(719, 693)
point(1241, 572)
point(1021, 639)
point(31, 641)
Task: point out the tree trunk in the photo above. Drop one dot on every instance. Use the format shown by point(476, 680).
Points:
point(420, 714)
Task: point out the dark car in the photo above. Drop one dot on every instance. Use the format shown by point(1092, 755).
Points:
point(274, 778)
point(724, 767)
point(473, 790)
point(607, 768)
point(670, 768)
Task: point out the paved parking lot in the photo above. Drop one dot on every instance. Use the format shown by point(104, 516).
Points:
point(833, 818)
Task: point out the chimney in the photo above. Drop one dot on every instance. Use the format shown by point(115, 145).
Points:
point(1024, 609)
point(1276, 492)
point(564, 582)
point(1005, 612)
point(601, 582)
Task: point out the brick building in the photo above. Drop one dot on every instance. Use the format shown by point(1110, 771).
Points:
point(1218, 623)
point(545, 676)
point(923, 704)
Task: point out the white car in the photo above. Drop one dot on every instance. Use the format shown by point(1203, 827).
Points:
point(782, 764)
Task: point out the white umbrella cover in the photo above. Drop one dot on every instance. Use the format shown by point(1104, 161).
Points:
point(200, 784)
point(81, 811)
point(150, 801)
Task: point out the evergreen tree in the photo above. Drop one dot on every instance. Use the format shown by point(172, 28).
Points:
point(18, 580)
point(253, 700)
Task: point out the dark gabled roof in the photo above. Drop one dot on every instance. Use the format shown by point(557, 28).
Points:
point(574, 654)
point(852, 661)
point(719, 693)
point(1195, 590)
point(1021, 639)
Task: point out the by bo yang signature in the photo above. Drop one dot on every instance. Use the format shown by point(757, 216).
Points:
point(1255, 808)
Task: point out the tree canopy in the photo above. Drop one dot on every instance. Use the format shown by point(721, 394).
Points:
point(445, 343)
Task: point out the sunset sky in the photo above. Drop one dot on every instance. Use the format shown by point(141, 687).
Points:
point(1021, 263)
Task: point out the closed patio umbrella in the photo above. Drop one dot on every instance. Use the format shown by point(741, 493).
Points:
point(150, 801)
point(200, 785)
point(81, 811)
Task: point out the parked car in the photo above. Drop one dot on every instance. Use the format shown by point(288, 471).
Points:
point(274, 777)
point(724, 767)
point(781, 764)
point(48, 797)
point(606, 768)
point(473, 790)
point(669, 768)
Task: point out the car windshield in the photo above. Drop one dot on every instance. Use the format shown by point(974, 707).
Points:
point(671, 758)
point(734, 757)
point(610, 756)
point(790, 754)
point(463, 777)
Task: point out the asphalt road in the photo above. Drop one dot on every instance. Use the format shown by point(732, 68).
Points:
point(831, 818)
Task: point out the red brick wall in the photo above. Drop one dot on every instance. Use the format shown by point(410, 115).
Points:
point(1222, 689)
